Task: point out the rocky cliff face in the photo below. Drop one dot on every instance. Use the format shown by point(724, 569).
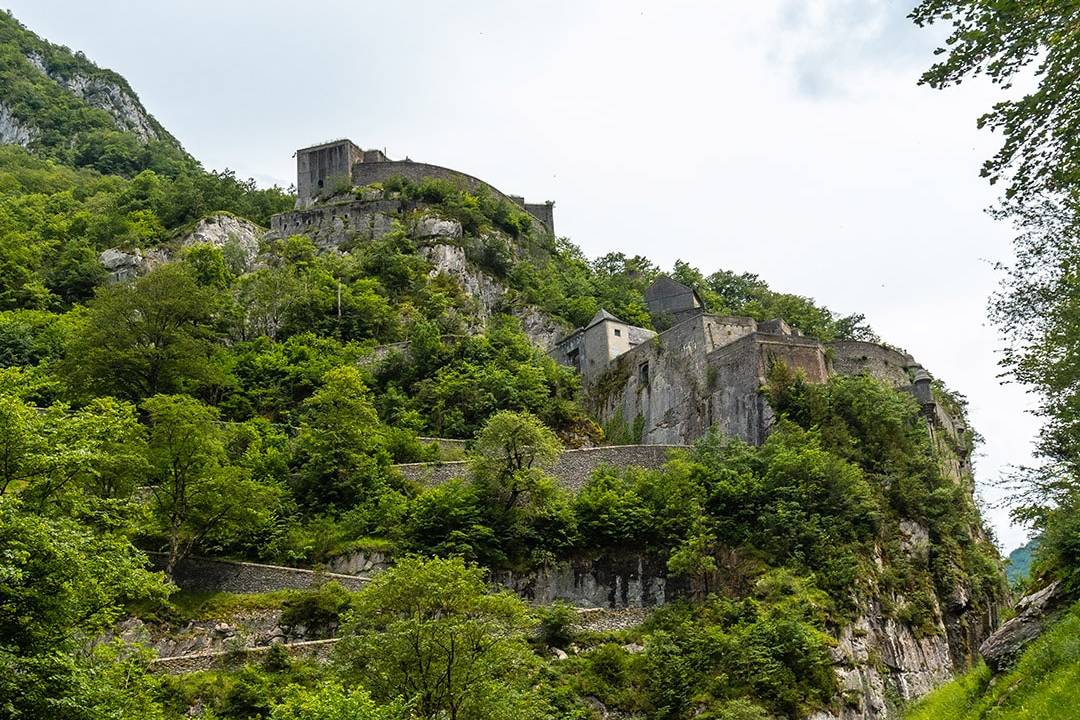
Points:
point(103, 93)
point(12, 130)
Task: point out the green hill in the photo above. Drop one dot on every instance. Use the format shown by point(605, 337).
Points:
point(1018, 564)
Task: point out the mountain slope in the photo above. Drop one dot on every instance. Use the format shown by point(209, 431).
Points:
point(63, 106)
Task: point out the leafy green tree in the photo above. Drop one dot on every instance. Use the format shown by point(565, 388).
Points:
point(331, 701)
point(60, 586)
point(427, 632)
point(340, 447)
point(139, 339)
point(510, 453)
point(1039, 159)
point(94, 457)
point(695, 558)
point(22, 443)
point(196, 492)
point(1041, 152)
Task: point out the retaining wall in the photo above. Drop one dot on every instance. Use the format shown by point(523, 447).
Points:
point(572, 469)
point(208, 575)
point(233, 659)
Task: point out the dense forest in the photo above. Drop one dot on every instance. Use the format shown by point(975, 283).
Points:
point(224, 407)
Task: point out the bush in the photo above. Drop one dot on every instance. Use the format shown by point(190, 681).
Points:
point(557, 624)
point(319, 612)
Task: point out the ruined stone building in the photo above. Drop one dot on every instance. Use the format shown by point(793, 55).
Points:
point(707, 370)
point(701, 370)
point(322, 170)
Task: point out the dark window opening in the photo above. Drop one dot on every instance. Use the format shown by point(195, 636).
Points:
point(643, 373)
point(574, 356)
point(618, 333)
point(320, 183)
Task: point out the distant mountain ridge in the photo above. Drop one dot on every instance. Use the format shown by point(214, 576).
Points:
point(1018, 564)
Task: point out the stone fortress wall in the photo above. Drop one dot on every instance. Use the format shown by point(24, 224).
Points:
point(572, 469)
point(321, 169)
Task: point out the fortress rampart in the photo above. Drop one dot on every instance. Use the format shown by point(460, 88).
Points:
point(321, 170)
point(573, 468)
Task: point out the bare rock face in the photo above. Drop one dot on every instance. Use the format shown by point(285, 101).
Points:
point(363, 563)
point(98, 92)
point(433, 228)
point(124, 265)
point(12, 131)
point(876, 658)
point(1002, 648)
point(543, 330)
point(484, 289)
point(238, 238)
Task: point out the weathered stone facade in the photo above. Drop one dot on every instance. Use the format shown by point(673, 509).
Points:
point(706, 371)
point(590, 349)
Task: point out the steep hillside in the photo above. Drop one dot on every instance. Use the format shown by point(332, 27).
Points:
point(367, 391)
point(63, 106)
point(1018, 564)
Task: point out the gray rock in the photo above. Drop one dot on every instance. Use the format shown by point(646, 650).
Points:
point(559, 654)
point(238, 238)
point(125, 109)
point(361, 563)
point(124, 265)
point(1002, 648)
point(433, 227)
point(12, 131)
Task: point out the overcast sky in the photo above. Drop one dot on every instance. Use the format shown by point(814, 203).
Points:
point(784, 138)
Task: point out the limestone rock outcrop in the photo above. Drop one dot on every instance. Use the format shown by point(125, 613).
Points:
point(12, 131)
point(124, 265)
point(104, 94)
point(1033, 612)
point(237, 237)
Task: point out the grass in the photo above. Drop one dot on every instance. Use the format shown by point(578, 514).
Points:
point(1044, 684)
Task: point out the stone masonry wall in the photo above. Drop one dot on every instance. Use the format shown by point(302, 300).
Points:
point(206, 575)
point(572, 469)
point(852, 357)
point(368, 173)
point(231, 660)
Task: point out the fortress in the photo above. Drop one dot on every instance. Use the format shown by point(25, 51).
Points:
point(667, 386)
point(322, 170)
point(707, 370)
